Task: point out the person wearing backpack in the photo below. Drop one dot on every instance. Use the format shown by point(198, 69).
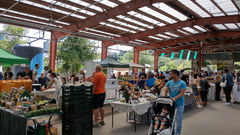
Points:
point(204, 89)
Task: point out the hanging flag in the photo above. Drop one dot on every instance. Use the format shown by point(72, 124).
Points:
point(181, 55)
point(162, 55)
point(172, 56)
point(195, 55)
point(188, 55)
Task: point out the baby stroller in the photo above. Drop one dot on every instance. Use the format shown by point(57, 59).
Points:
point(158, 105)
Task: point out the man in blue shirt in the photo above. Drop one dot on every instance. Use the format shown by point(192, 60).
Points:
point(176, 88)
point(229, 86)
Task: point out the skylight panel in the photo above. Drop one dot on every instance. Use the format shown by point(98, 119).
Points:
point(30, 20)
point(200, 28)
point(231, 26)
point(220, 26)
point(190, 30)
point(106, 2)
point(124, 1)
point(103, 32)
point(85, 4)
point(228, 7)
point(135, 42)
point(145, 18)
point(171, 34)
point(210, 7)
point(194, 7)
point(116, 27)
point(125, 24)
point(170, 10)
point(183, 32)
point(157, 14)
point(163, 36)
point(152, 37)
point(134, 21)
point(95, 34)
point(141, 41)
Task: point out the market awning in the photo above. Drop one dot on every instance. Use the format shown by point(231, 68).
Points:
point(8, 59)
point(135, 65)
point(111, 63)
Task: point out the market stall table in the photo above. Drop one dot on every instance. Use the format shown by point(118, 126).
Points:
point(14, 124)
point(138, 108)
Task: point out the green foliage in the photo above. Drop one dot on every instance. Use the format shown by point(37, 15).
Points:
point(10, 41)
point(74, 52)
point(143, 58)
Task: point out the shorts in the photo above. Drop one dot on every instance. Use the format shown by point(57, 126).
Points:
point(98, 100)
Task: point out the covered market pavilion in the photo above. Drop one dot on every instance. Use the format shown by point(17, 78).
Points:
point(197, 30)
point(164, 26)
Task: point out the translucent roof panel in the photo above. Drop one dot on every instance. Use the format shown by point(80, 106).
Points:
point(171, 34)
point(183, 32)
point(134, 21)
point(106, 33)
point(87, 5)
point(152, 37)
point(200, 28)
point(150, 20)
point(95, 34)
point(228, 7)
point(72, 8)
point(108, 3)
point(125, 24)
point(220, 26)
point(194, 8)
point(163, 36)
point(231, 26)
point(141, 41)
point(170, 10)
point(124, 1)
point(190, 30)
point(52, 9)
point(116, 27)
point(210, 7)
point(157, 14)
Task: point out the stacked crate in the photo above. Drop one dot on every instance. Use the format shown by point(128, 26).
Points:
point(77, 110)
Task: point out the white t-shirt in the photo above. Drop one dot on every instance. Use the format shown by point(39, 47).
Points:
point(35, 73)
point(58, 89)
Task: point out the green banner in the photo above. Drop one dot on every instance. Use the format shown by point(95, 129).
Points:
point(195, 55)
point(188, 55)
point(181, 55)
point(162, 55)
point(173, 55)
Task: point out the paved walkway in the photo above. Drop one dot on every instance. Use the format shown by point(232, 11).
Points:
point(214, 119)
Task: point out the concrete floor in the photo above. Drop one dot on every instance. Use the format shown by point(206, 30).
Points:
point(215, 119)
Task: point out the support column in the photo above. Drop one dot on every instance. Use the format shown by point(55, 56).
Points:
point(156, 59)
point(53, 51)
point(136, 53)
point(104, 50)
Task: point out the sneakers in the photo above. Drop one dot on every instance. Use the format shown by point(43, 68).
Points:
point(227, 103)
point(102, 123)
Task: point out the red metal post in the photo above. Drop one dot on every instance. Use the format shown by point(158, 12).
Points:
point(53, 51)
point(156, 59)
point(104, 50)
point(136, 53)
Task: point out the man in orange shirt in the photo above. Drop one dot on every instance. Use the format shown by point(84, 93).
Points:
point(99, 80)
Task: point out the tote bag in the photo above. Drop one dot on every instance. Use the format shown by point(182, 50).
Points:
point(224, 84)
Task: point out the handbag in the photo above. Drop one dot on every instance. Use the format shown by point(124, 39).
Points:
point(224, 84)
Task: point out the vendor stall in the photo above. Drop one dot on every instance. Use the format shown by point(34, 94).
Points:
point(8, 59)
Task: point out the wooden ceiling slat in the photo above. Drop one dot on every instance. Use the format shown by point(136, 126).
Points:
point(109, 30)
point(97, 4)
point(59, 7)
point(116, 2)
point(122, 26)
point(152, 17)
point(36, 11)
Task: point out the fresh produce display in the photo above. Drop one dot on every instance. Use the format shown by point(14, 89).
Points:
point(21, 102)
point(42, 112)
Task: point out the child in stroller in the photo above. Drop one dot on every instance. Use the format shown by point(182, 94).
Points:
point(161, 121)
